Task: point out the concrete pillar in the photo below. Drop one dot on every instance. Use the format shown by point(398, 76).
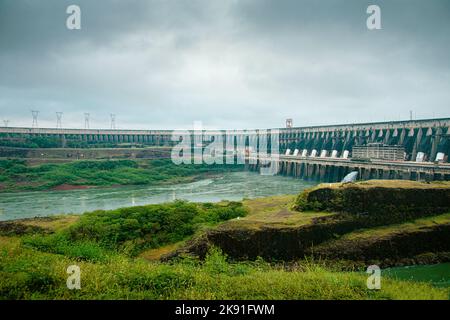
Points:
point(310, 174)
point(380, 174)
point(435, 143)
point(387, 136)
point(402, 136)
point(322, 172)
point(416, 144)
point(420, 176)
point(366, 174)
point(373, 135)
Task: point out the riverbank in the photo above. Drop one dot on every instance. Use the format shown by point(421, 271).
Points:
point(17, 176)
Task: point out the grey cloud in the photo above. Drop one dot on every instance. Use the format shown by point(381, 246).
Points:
point(164, 64)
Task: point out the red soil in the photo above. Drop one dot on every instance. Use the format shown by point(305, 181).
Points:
point(63, 187)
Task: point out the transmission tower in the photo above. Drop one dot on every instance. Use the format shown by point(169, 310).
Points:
point(58, 119)
point(113, 121)
point(6, 122)
point(86, 120)
point(35, 114)
point(289, 123)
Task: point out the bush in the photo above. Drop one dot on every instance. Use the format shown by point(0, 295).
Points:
point(216, 261)
point(131, 230)
point(61, 244)
point(24, 276)
point(6, 164)
point(104, 165)
point(160, 281)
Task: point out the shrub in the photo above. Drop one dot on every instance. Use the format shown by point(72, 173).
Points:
point(216, 261)
point(131, 230)
point(60, 243)
point(159, 281)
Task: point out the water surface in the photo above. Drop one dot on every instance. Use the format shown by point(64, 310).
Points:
point(229, 186)
point(437, 275)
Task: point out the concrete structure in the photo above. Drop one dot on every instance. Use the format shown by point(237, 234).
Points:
point(334, 170)
point(379, 151)
point(70, 154)
point(323, 152)
point(430, 136)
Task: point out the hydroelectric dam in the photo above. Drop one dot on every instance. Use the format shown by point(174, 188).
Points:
point(412, 149)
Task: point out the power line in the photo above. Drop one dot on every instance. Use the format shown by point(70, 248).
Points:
point(289, 123)
point(6, 122)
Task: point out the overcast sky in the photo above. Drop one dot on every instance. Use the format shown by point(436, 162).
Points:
point(227, 63)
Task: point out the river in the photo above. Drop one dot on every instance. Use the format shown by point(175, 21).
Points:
point(437, 275)
point(229, 186)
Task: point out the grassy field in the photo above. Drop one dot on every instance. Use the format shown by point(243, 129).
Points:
point(27, 273)
point(386, 231)
point(396, 184)
point(16, 175)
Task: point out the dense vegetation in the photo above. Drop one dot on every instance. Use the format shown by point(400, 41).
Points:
point(32, 142)
point(129, 231)
point(16, 175)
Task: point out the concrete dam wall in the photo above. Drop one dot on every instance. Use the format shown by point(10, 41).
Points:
point(427, 138)
point(420, 147)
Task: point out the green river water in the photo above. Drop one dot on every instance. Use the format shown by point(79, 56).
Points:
point(437, 274)
point(229, 186)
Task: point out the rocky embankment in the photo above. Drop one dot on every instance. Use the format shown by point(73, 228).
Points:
point(383, 222)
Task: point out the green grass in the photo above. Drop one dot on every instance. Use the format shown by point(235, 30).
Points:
point(397, 184)
point(27, 273)
point(273, 212)
point(16, 175)
point(386, 231)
